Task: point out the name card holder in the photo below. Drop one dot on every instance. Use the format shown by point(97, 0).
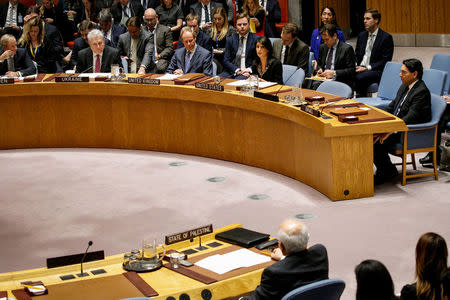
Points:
point(310, 110)
point(182, 236)
point(71, 79)
point(209, 86)
point(6, 80)
point(144, 81)
point(273, 98)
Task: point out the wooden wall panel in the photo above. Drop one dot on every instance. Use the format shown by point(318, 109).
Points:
point(431, 16)
point(342, 9)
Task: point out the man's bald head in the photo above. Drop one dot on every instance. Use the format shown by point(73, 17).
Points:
point(150, 18)
point(293, 236)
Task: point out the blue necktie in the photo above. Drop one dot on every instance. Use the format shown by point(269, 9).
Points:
point(187, 63)
point(400, 102)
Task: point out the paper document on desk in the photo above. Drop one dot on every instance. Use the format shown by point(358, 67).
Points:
point(168, 77)
point(93, 75)
point(222, 263)
point(261, 85)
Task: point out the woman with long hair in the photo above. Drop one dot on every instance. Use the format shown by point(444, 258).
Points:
point(257, 16)
point(38, 46)
point(327, 16)
point(373, 281)
point(265, 65)
point(90, 11)
point(431, 261)
point(171, 15)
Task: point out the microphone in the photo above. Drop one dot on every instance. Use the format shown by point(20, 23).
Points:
point(82, 260)
point(86, 71)
point(276, 94)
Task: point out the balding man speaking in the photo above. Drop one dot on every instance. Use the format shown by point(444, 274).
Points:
point(298, 265)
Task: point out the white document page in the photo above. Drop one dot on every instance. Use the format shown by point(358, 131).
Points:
point(261, 85)
point(168, 77)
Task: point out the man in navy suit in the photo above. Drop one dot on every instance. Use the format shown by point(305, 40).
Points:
point(98, 58)
point(110, 31)
point(204, 9)
point(14, 62)
point(81, 43)
point(192, 58)
point(298, 265)
point(374, 48)
point(204, 40)
point(413, 105)
point(273, 15)
point(240, 50)
point(11, 17)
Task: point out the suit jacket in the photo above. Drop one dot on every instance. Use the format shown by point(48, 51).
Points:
point(231, 49)
point(135, 8)
point(295, 270)
point(22, 63)
point(116, 31)
point(273, 16)
point(274, 72)
point(53, 34)
point(203, 40)
point(45, 57)
point(144, 49)
point(344, 63)
point(21, 11)
point(185, 6)
point(298, 53)
point(201, 61)
point(316, 40)
point(382, 51)
point(164, 46)
point(198, 7)
point(85, 59)
point(150, 4)
point(417, 106)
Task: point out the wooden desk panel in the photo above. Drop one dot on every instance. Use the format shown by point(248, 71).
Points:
point(332, 157)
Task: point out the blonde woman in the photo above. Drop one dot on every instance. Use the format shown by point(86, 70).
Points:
point(257, 16)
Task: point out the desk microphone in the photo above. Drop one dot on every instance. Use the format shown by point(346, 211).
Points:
point(86, 69)
point(276, 94)
point(82, 260)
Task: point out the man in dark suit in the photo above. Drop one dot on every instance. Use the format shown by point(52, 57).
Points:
point(186, 6)
point(297, 265)
point(204, 40)
point(110, 31)
point(162, 40)
point(240, 50)
point(81, 43)
point(192, 58)
point(290, 50)
point(136, 46)
point(336, 59)
point(98, 57)
point(11, 17)
point(126, 9)
point(14, 62)
point(204, 9)
point(374, 48)
point(413, 105)
point(150, 4)
point(273, 15)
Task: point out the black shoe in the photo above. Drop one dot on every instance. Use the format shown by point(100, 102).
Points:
point(445, 168)
point(382, 177)
point(427, 159)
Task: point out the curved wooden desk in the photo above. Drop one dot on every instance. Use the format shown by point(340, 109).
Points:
point(332, 157)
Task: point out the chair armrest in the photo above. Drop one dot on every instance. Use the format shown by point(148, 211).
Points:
point(421, 125)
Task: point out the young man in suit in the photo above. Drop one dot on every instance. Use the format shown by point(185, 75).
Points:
point(374, 48)
point(204, 9)
point(136, 46)
point(81, 43)
point(192, 58)
point(110, 31)
point(240, 50)
point(297, 265)
point(14, 62)
point(126, 9)
point(290, 50)
point(413, 105)
point(204, 40)
point(99, 57)
point(162, 40)
point(336, 59)
point(273, 15)
point(11, 17)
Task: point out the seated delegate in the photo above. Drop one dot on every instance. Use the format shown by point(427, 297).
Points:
point(265, 65)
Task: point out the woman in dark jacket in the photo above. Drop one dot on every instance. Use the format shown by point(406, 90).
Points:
point(265, 65)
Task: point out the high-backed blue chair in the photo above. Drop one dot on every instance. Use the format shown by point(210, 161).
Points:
point(293, 76)
point(328, 289)
point(420, 138)
point(336, 88)
point(310, 64)
point(388, 87)
point(434, 80)
point(273, 40)
point(442, 62)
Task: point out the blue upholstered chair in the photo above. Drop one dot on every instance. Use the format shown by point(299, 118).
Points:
point(328, 289)
point(421, 138)
point(293, 76)
point(336, 88)
point(310, 64)
point(435, 80)
point(124, 65)
point(388, 87)
point(273, 40)
point(442, 62)
point(214, 69)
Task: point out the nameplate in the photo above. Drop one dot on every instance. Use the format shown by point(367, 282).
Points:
point(144, 81)
point(71, 79)
point(265, 96)
point(209, 86)
point(310, 110)
point(182, 236)
point(6, 80)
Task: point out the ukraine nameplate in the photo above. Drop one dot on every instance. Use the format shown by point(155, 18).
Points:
point(71, 79)
point(6, 80)
point(209, 86)
point(144, 81)
point(182, 236)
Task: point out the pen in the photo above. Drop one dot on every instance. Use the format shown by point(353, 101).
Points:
point(34, 287)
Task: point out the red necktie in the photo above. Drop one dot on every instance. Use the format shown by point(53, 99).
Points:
point(97, 64)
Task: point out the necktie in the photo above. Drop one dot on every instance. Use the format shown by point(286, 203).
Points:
point(206, 13)
point(187, 63)
point(97, 64)
point(125, 11)
point(329, 59)
point(133, 55)
point(400, 103)
point(366, 58)
point(11, 16)
point(286, 53)
point(237, 61)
